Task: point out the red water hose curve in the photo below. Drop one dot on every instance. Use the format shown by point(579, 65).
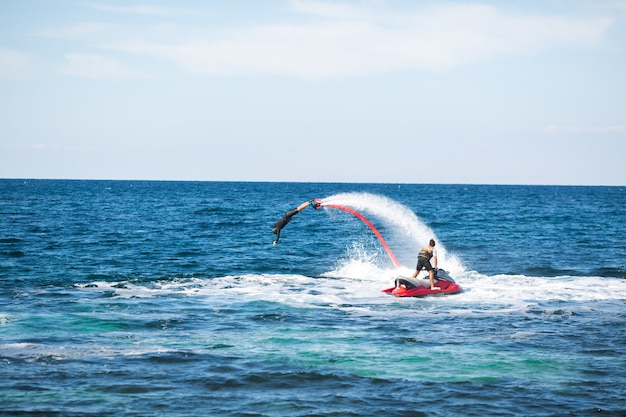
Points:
point(369, 224)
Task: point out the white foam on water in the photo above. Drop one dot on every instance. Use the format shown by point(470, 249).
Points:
point(41, 352)
point(482, 288)
point(356, 287)
point(120, 289)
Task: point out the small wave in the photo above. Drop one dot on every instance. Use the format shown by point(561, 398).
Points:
point(548, 271)
point(211, 210)
point(13, 254)
point(610, 272)
point(10, 240)
point(46, 353)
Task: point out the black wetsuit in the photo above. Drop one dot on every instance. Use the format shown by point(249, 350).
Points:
point(282, 222)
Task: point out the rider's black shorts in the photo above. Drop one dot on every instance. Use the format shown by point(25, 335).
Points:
point(423, 263)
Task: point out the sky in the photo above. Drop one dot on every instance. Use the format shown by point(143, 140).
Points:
point(374, 91)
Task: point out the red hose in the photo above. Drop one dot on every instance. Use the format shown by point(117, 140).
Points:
point(370, 225)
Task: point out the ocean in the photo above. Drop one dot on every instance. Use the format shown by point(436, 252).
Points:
point(150, 298)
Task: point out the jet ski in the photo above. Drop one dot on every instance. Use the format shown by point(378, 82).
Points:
point(412, 287)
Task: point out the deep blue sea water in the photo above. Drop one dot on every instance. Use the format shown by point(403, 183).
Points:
point(139, 298)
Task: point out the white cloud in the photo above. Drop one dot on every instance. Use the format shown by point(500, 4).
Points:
point(139, 9)
point(339, 40)
point(13, 64)
point(80, 30)
point(617, 129)
point(330, 10)
point(97, 67)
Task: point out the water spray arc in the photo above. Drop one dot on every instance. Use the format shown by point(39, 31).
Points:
point(318, 203)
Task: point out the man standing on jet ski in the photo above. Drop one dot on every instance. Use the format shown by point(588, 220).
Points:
point(423, 261)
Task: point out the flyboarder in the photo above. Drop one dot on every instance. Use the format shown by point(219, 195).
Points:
point(287, 218)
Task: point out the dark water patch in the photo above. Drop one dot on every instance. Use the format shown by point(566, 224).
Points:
point(190, 253)
point(212, 210)
point(160, 324)
point(173, 358)
point(13, 253)
point(102, 277)
point(551, 312)
point(277, 379)
point(548, 271)
point(607, 272)
point(608, 352)
point(86, 325)
point(15, 213)
point(269, 317)
point(10, 240)
point(135, 388)
point(221, 346)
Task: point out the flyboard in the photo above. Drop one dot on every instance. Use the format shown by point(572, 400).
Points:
point(404, 286)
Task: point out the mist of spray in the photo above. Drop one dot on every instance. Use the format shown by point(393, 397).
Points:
point(405, 232)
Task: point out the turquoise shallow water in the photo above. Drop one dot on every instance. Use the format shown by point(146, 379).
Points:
point(167, 298)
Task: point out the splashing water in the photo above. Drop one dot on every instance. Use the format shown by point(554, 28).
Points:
point(407, 232)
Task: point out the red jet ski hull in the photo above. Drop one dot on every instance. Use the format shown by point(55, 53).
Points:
point(406, 289)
